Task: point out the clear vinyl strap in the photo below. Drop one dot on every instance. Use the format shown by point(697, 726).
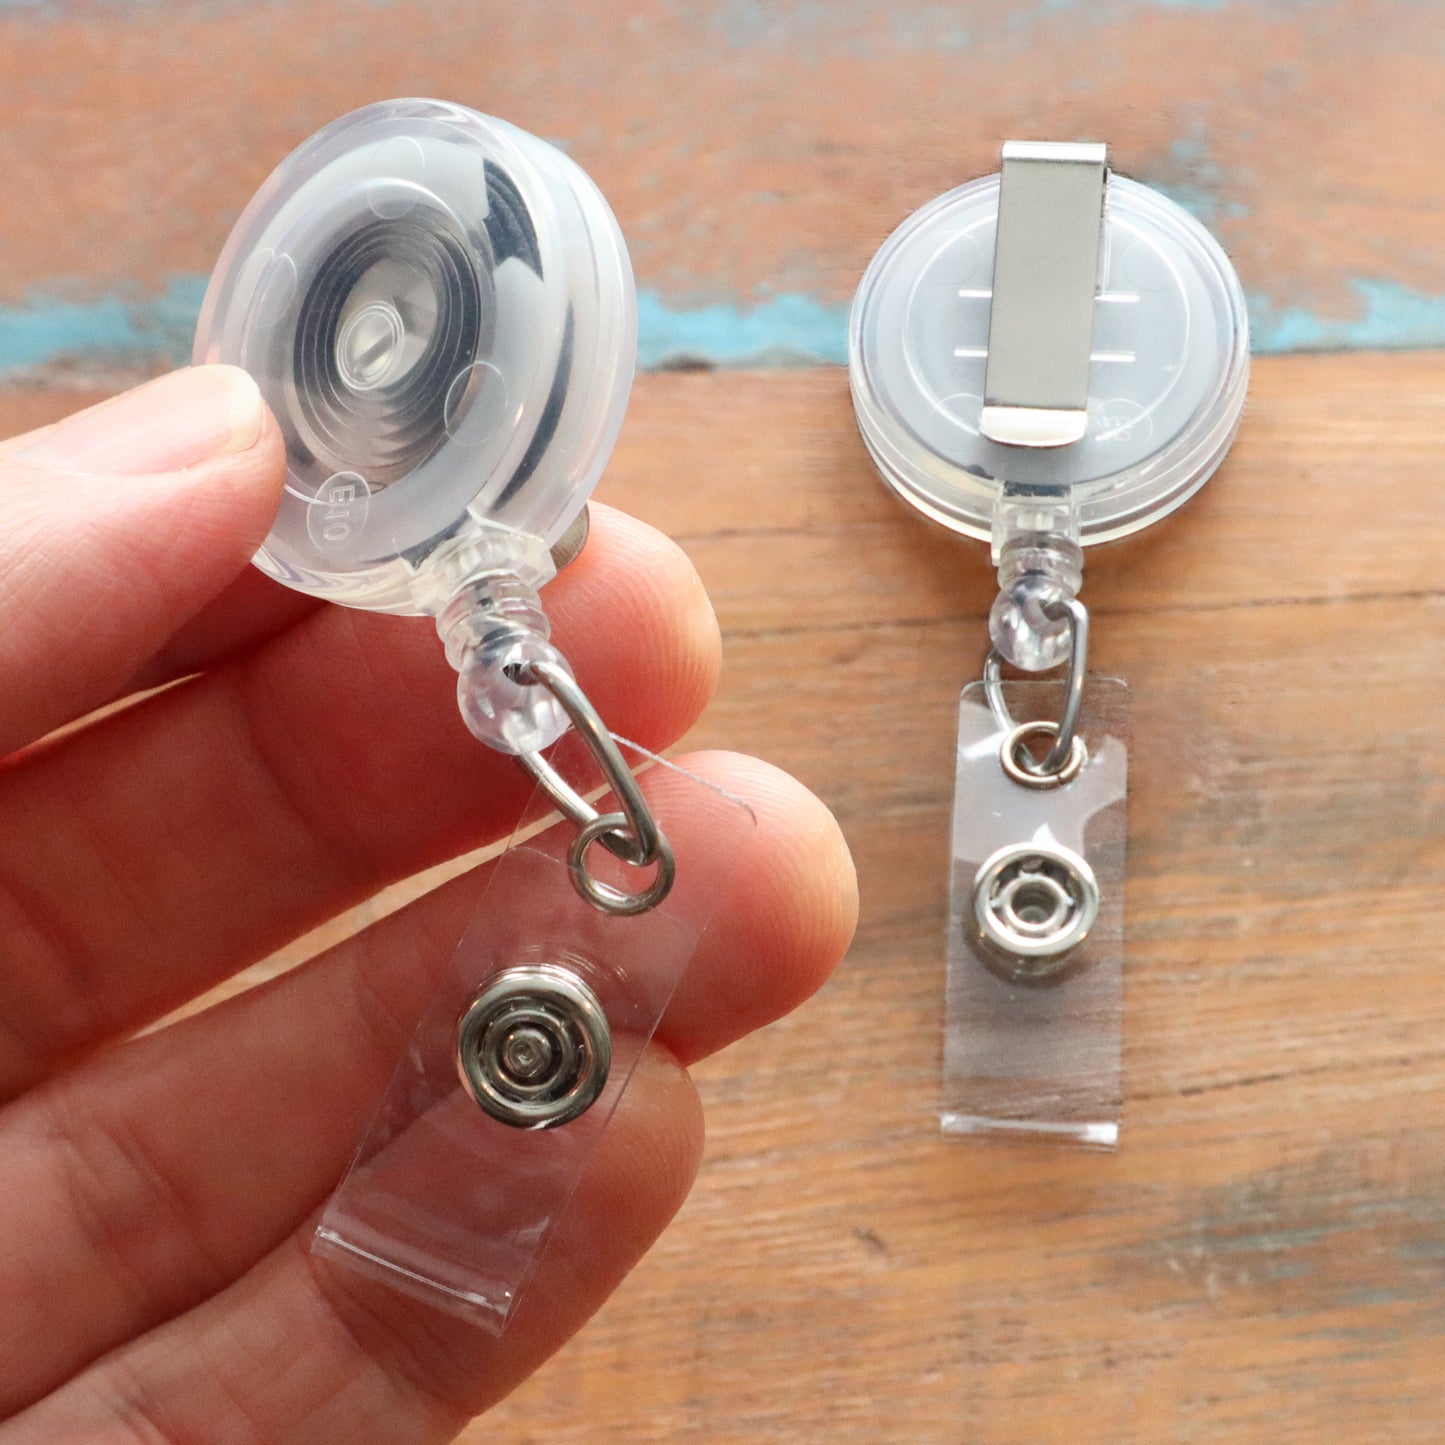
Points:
point(512, 1076)
point(1035, 923)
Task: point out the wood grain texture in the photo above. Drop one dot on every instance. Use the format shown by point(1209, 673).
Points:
point(1264, 1258)
point(753, 151)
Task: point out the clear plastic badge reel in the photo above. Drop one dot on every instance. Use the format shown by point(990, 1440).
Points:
point(439, 309)
point(1047, 359)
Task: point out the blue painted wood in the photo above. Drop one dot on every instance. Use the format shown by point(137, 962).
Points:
point(757, 151)
point(136, 332)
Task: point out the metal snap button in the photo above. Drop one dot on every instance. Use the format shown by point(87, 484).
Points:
point(534, 1047)
point(1034, 904)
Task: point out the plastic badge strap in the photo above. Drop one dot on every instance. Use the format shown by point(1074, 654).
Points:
point(1037, 1056)
point(455, 1207)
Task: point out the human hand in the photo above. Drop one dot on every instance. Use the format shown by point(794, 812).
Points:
point(159, 1193)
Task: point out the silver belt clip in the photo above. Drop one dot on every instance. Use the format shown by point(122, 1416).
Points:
point(1045, 273)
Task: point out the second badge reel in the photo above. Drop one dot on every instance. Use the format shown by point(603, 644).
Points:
point(1047, 359)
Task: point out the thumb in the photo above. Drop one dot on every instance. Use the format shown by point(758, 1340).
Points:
point(116, 525)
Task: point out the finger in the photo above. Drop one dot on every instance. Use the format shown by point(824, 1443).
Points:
point(169, 845)
point(300, 1349)
point(794, 908)
point(251, 610)
point(161, 1171)
point(121, 523)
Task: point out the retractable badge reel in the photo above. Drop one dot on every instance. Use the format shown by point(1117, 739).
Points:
point(439, 309)
point(1045, 360)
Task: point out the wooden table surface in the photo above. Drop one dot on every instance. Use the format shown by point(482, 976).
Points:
point(1264, 1256)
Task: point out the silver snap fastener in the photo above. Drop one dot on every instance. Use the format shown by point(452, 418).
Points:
point(1034, 904)
point(534, 1047)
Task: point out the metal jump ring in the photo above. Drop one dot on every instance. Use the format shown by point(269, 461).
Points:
point(1019, 764)
point(604, 896)
point(1067, 745)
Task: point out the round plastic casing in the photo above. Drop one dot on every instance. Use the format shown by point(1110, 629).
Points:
point(1167, 378)
point(439, 309)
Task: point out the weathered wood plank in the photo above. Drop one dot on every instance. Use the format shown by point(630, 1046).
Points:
point(1312, 498)
point(763, 477)
point(756, 154)
point(1265, 1256)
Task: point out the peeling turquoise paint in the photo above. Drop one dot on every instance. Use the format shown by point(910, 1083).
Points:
point(121, 329)
point(786, 331)
point(1191, 178)
point(1391, 318)
point(131, 330)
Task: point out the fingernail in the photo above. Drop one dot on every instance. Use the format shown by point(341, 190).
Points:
point(174, 422)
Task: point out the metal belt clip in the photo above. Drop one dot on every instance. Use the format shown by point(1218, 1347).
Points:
point(1045, 273)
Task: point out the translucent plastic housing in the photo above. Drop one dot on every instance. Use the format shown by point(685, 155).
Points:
point(439, 308)
point(1168, 369)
